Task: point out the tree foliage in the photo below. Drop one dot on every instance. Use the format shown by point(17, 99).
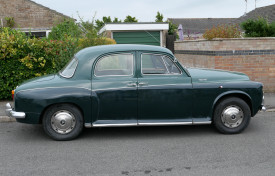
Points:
point(258, 28)
point(159, 17)
point(130, 19)
point(66, 28)
point(101, 23)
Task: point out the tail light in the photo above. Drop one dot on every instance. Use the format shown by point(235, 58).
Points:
point(12, 94)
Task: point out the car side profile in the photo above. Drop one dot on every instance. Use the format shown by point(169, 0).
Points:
point(135, 85)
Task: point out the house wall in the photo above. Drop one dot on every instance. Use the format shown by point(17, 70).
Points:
point(28, 14)
point(252, 56)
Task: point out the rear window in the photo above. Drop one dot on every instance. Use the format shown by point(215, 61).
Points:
point(69, 69)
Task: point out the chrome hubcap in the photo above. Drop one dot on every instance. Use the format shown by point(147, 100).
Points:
point(232, 116)
point(63, 122)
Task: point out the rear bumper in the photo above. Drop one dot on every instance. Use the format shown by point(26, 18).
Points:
point(14, 114)
point(263, 108)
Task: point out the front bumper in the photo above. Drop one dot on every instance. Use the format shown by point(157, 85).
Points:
point(14, 114)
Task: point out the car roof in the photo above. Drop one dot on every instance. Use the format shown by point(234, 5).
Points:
point(95, 51)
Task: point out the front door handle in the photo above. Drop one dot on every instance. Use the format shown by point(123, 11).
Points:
point(132, 84)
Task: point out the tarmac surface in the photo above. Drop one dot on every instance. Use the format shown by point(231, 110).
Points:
point(149, 151)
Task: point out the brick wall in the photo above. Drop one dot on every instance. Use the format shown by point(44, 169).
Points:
point(28, 14)
point(252, 56)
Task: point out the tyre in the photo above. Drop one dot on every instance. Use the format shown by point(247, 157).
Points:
point(63, 122)
point(232, 115)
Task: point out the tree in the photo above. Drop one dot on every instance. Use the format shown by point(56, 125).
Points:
point(159, 17)
point(116, 20)
point(258, 28)
point(66, 28)
point(100, 23)
point(130, 19)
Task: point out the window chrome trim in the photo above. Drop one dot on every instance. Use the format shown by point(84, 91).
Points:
point(60, 73)
point(97, 61)
point(164, 64)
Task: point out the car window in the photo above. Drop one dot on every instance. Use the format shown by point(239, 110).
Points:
point(115, 65)
point(69, 69)
point(158, 64)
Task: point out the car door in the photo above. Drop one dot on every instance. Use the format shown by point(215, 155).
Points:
point(164, 91)
point(114, 90)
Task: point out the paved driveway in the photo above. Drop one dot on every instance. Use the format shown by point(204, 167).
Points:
point(178, 150)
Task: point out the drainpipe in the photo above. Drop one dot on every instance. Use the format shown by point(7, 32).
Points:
point(2, 23)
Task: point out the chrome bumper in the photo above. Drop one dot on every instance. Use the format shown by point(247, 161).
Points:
point(14, 114)
point(263, 108)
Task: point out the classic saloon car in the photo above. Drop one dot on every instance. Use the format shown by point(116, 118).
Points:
point(135, 85)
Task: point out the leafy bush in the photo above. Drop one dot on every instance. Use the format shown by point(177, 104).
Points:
point(86, 42)
point(67, 28)
point(22, 57)
point(10, 21)
point(222, 31)
point(258, 28)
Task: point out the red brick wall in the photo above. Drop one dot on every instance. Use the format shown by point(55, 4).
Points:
point(257, 58)
point(28, 14)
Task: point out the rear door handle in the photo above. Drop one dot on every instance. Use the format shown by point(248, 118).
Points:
point(142, 83)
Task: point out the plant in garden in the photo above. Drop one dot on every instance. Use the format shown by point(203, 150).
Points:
point(22, 57)
point(67, 28)
point(223, 31)
point(258, 28)
point(10, 21)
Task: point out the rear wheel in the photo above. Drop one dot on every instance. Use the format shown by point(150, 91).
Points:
point(63, 122)
point(232, 115)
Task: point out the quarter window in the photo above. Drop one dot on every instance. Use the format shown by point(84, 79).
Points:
point(158, 64)
point(115, 65)
point(69, 69)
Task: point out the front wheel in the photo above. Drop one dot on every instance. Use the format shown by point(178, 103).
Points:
point(63, 122)
point(232, 115)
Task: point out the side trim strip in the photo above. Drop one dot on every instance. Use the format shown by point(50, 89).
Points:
point(165, 123)
point(114, 125)
point(202, 123)
point(90, 125)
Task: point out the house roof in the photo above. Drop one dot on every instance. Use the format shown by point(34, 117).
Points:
point(267, 12)
point(50, 9)
point(199, 25)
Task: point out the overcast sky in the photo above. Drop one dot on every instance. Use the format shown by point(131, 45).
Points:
point(145, 10)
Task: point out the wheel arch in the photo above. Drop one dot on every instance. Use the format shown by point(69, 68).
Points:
point(239, 94)
point(59, 103)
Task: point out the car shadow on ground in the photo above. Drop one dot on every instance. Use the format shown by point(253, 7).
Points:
point(33, 132)
point(149, 132)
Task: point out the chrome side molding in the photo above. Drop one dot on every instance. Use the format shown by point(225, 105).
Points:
point(91, 125)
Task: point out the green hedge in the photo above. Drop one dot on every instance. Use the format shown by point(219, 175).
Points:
point(258, 28)
point(22, 58)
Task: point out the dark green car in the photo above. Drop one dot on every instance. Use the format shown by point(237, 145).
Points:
point(135, 85)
